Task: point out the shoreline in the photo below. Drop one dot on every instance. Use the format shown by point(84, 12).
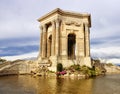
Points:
point(62, 76)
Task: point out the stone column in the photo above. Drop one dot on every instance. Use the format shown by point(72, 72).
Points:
point(41, 38)
point(87, 40)
point(57, 36)
point(44, 44)
point(53, 39)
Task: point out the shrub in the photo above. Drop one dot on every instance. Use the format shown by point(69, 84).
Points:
point(88, 71)
point(75, 67)
point(2, 60)
point(97, 70)
point(92, 72)
point(85, 70)
point(109, 64)
point(59, 67)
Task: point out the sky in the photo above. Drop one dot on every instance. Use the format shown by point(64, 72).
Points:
point(20, 34)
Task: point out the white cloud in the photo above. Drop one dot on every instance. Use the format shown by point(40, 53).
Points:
point(106, 52)
point(110, 54)
point(24, 56)
point(114, 61)
point(18, 29)
point(105, 32)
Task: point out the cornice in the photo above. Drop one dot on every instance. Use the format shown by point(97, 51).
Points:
point(66, 13)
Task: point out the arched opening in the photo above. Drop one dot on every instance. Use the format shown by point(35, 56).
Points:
point(50, 45)
point(71, 46)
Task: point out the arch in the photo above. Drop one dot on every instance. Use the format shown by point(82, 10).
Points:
point(71, 45)
point(49, 45)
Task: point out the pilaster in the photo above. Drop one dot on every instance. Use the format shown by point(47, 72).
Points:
point(64, 45)
point(41, 38)
point(53, 38)
point(57, 21)
point(44, 44)
point(87, 40)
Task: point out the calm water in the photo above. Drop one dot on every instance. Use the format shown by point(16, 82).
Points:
point(29, 85)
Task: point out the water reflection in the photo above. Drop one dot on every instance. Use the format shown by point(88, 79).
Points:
point(73, 86)
point(39, 85)
point(107, 85)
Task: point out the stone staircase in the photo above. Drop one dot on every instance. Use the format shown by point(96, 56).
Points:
point(45, 62)
point(43, 67)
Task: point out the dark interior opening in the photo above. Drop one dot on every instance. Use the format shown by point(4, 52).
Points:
point(71, 46)
point(50, 44)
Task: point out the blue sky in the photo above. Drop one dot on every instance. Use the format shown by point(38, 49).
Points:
point(19, 29)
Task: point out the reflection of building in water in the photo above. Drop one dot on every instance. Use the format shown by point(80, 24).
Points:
point(65, 38)
point(74, 86)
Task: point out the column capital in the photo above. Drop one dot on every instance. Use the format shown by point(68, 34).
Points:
point(41, 27)
point(44, 28)
point(86, 24)
point(53, 24)
point(86, 27)
point(53, 21)
point(57, 21)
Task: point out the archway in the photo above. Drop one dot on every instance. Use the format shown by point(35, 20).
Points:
point(71, 46)
point(50, 45)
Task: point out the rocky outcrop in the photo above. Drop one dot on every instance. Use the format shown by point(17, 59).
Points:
point(112, 69)
point(18, 67)
point(107, 68)
point(98, 65)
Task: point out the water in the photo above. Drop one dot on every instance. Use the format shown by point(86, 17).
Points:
point(109, 84)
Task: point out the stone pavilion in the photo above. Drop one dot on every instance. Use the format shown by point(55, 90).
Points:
point(65, 39)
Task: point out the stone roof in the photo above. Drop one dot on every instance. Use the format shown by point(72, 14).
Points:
point(66, 13)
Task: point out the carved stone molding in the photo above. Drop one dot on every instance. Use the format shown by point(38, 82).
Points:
point(73, 23)
point(78, 24)
point(68, 23)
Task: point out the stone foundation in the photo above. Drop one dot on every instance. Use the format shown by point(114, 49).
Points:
point(66, 62)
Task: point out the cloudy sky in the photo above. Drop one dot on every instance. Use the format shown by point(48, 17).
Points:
point(19, 29)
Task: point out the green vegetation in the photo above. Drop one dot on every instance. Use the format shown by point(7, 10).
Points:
point(109, 64)
point(87, 71)
point(74, 67)
point(2, 60)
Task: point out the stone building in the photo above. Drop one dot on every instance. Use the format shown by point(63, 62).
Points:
point(65, 38)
